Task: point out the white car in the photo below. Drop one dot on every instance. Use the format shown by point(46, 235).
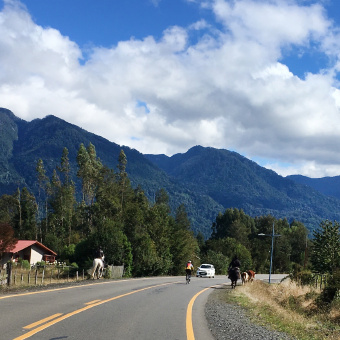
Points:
point(205, 270)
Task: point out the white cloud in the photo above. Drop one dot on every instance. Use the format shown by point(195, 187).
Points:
point(230, 90)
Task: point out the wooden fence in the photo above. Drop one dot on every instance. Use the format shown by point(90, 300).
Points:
point(312, 279)
point(12, 276)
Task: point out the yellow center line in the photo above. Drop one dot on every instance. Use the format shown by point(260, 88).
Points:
point(189, 326)
point(91, 302)
point(66, 288)
point(32, 325)
point(65, 316)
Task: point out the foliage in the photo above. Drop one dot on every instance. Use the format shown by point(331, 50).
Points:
point(219, 261)
point(332, 289)
point(205, 180)
point(303, 277)
point(326, 247)
point(23, 264)
point(147, 219)
point(7, 239)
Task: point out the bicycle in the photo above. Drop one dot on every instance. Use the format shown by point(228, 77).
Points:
point(187, 278)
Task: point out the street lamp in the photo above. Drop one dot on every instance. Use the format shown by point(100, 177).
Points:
point(271, 251)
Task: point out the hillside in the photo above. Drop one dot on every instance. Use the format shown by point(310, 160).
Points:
point(329, 186)
point(206, 180)
point(235, 181)
point(23, 143)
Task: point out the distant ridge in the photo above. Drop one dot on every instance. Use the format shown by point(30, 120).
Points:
point(329, 186)
point(206, 180)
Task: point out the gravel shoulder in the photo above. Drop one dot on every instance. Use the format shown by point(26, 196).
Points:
point(230, 321)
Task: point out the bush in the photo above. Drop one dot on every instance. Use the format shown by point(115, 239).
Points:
point(74, 265)
point(24, 264)
point(303, 278)
point(332, 290)
point(41, 264)
point(108, 273)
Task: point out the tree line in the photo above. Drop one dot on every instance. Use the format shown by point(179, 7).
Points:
point(148, 238)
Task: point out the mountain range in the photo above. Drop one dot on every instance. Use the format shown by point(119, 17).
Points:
point(206, 180)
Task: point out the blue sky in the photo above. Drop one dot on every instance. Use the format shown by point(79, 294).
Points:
point(259, 77)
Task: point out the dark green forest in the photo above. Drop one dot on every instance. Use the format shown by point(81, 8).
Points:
point(146, 237)
point(205, 180)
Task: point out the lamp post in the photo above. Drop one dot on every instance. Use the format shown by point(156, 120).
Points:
point(271, 251)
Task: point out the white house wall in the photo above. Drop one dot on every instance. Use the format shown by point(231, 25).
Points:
point(36, 254)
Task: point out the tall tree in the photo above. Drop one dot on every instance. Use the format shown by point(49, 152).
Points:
point(233, 223)
point(122, 176)
point(183, 244)
point(24, 223)
point(44, 191)
point(89, 167)
point(8, 208)
point(63, 204)
point(326, 247)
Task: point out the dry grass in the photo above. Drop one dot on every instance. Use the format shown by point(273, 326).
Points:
point(290, 308)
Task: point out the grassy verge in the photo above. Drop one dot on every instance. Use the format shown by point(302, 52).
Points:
point(288, 308)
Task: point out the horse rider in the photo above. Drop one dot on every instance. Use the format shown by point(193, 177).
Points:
point(235, 263)
point(99, 254)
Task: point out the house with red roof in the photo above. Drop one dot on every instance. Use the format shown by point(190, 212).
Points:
point(32, 251)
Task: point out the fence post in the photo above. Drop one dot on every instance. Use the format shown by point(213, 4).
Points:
point(9, 273)
point(83, 275)
point(77, 275)
point(36, 277)
point(42, 276)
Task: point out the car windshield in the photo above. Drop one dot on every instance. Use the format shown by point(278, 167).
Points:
point(205, 266)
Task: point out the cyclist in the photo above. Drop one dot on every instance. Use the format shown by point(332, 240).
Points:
point(188, 269)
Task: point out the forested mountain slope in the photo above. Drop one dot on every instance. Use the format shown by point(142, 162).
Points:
point(329, 186)
point(235, 181)
point(205, 180)
point(23, 143)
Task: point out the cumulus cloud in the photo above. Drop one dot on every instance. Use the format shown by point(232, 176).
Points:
point(230, 89)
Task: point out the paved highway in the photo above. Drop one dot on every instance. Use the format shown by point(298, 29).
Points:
point(144, 309)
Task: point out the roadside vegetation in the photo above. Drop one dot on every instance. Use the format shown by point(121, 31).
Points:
point(299, 310)
point(149, 239)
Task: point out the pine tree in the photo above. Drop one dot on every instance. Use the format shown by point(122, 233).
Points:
point(326, 247)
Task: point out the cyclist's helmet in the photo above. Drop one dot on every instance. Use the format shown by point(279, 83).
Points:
point(189, 261)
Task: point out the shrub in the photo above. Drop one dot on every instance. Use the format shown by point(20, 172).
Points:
point(24, 264)
point(108, 273)
point(332, 290)
point(303, 278)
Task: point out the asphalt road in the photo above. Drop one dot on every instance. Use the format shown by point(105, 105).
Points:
point(144, 309)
